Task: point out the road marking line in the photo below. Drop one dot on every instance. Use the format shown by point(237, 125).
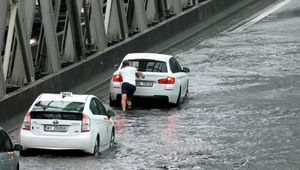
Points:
point(263, 15)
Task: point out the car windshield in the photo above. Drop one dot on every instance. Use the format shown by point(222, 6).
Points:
point(149, 65)
point(61, 106)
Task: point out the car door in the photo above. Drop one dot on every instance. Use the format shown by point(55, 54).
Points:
point(183, 78)
point(103, 112)
point(6, 157)
point(3, 154)
point(12, 156)
point(99, 124)
point(178, 75)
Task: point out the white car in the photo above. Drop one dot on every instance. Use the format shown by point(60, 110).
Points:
point(163, 79)
point(67, 122)
point(9, 159)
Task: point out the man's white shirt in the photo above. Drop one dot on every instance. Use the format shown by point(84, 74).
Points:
point(128, 74)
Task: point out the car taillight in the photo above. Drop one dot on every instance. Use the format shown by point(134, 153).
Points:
point(168, 80)
point(117, 78)
point(26, 122)
point(85, 123)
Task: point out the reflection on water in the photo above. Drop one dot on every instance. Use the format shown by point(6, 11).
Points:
point(169, 135)
point(120, 122)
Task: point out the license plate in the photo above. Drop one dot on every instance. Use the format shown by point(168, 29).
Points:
point(144, 83)
point(55, 128)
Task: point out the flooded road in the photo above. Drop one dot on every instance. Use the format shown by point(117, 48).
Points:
point(242, 111)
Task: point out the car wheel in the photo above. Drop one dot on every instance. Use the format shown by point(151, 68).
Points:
point(186, 93)
point(111, 103)
point(96, 147)
point(178, 98)
point(26, 153)
point(112, 138)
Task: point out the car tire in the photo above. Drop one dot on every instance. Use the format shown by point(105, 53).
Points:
point(25, 153)
point(111, 103)
point(178, 98)
point(186, 93)
point(112, 138)
point(96, 148)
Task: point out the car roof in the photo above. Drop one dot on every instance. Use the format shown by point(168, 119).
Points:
point(154, 56)
point(58, 97)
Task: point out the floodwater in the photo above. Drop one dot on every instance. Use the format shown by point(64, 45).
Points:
point(242, 111)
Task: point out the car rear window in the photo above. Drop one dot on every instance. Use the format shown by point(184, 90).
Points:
point(149, 65)
point(55, 115)
point(59, 106)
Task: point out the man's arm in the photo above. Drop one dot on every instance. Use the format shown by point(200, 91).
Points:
point(139, 73)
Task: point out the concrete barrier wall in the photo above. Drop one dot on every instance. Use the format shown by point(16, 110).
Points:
point(14, 105)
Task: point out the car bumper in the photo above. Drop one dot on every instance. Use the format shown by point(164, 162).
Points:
point(164, 96)
point(82, 142)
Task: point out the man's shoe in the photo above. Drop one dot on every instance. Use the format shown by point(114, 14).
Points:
point(129, 107)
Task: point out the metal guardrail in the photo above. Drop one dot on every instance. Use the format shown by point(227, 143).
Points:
point(60, 38)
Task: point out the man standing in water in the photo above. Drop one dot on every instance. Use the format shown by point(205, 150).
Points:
point(128, 74)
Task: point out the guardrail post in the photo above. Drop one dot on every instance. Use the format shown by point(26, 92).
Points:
point(177, 6)
point(18, 58)
point(49, 26)
point(160, 10)
point(97, 19)
point(3, 17)
point(89, 42)
point(122, 19)
point(9, 39)
point(140, 14)
point(112, 22)
point(76, 30)
point(23, 28)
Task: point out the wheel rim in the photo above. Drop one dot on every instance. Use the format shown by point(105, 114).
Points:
point(112, 139)
point(96, 148)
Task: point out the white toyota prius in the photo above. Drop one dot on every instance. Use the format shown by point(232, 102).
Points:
point(67, 121)
point(163, 79)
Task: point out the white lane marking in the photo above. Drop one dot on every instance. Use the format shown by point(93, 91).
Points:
point(263, 15)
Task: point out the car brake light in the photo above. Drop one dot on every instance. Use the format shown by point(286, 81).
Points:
point(26, 123)
point(168, 80)
point(117, 78)
point(85, 123)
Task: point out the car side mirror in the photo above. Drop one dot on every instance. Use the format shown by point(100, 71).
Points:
point(116, 66)
point(185, 69)
point(111, 113)
point(18, 147)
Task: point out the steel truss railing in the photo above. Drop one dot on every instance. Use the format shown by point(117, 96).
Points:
point(40, 37)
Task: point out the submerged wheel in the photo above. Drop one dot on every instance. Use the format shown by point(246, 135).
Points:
point(25, 153)
point(112, 138)
point(111, 103)
point(178, 98)
point(96, 147)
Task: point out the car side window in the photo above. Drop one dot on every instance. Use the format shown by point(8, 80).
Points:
point(94, 108)
point(2, 144)
point(101, 107)
point(7, 141)
point(173, 65)
point(177, 65)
